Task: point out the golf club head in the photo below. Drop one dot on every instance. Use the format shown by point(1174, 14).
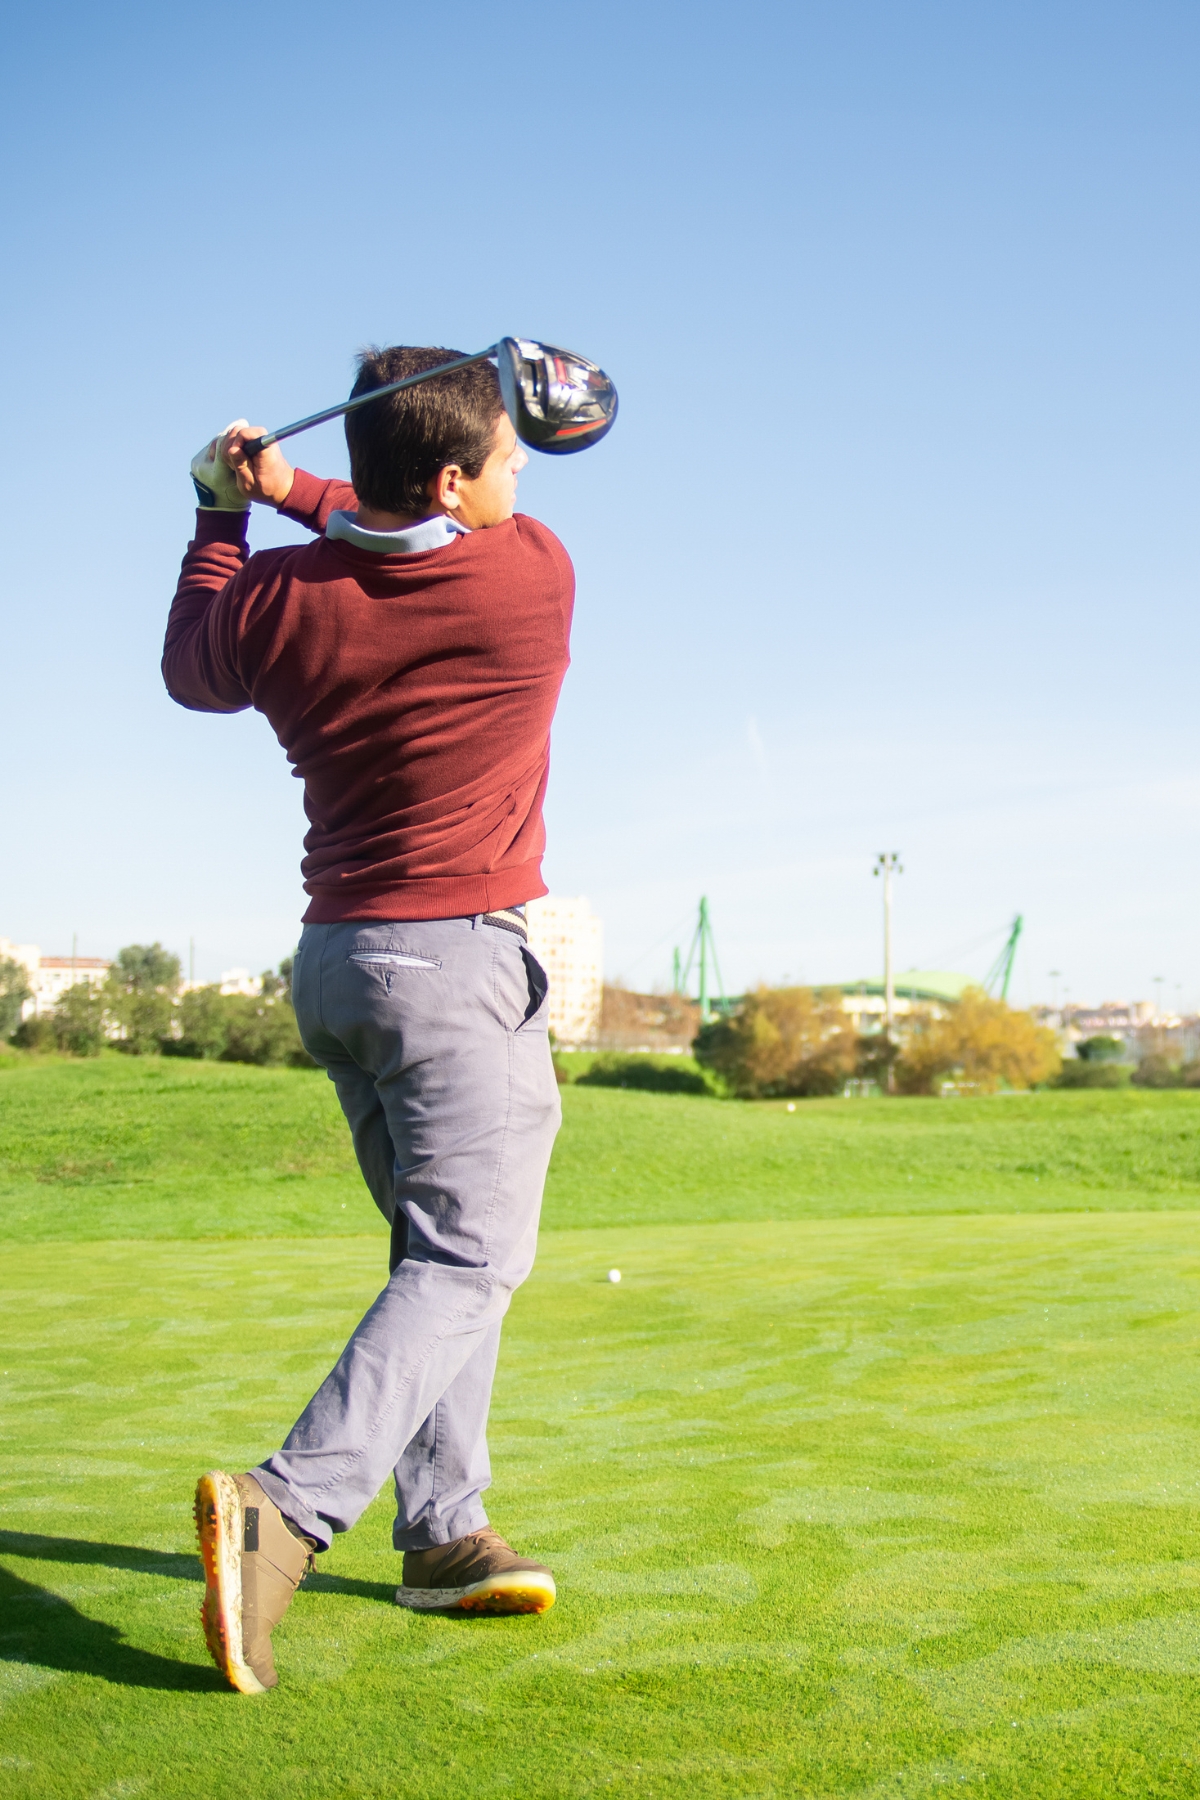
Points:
point(558, 402)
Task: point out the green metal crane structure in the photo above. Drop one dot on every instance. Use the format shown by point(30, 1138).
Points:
point(703, 950)
point(1001, 970)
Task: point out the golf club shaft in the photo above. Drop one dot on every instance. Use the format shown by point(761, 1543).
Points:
point(253, 445)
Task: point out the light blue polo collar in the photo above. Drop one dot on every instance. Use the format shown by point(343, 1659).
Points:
point(430, 534)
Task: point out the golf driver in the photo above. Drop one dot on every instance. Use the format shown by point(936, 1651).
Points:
point(558, 402)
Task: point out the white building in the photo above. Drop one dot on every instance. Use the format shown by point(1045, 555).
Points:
point(568, 940)
point(239, 981)
point(49, 977)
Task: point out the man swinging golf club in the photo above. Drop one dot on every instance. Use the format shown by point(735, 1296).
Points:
point(409, 661)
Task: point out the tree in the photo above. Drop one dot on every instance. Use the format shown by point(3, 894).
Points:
point(139, 991)
point(263, 1031)
point(278, 987)
point(14, 992)
point(1082, 1074)
point(36, 1034)
point(1100, 1050)
point(146, 969)
point(1158, 1070)
point(80, 1019)
point(203, 1021)
point(983, 1043)
point(792, 1040)
point(242, 1028)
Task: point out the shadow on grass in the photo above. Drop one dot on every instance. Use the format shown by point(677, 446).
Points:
point(42, 1628)
point(175, 1565)
point(316, 1583)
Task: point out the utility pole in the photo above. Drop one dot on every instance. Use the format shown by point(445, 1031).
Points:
point(191, 961)
point(705, 1010)
point(888, 864)
point(74, 950)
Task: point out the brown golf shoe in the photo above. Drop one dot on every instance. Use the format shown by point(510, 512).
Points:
point(477, 1573)
point(254, 1560)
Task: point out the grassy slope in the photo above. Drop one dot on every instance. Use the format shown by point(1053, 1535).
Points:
point(158, 1148)
point(852, 1506)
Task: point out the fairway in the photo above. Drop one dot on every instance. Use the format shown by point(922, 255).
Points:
point(876, 1476)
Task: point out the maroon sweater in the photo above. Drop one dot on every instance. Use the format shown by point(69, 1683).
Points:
point(412, 694)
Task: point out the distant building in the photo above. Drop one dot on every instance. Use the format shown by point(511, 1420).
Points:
point(239, 981)
point(568, 940)
point(923, 991)
point(655, 1022)
point(1112, 1018)
point(1138, 1026)
point(50, 976)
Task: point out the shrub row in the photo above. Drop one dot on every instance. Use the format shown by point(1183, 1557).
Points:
point(799, 1041)
point(1154, 1071)
point(652, 1074)
point(138, 1010)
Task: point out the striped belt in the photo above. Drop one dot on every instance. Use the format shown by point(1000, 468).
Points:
point(509, 918)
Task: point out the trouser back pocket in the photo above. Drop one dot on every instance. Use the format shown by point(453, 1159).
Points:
point(395, 959)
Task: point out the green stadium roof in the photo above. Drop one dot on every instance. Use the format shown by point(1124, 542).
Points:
point(915, 984)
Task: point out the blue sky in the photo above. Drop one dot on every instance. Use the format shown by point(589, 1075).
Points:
point(894, 545)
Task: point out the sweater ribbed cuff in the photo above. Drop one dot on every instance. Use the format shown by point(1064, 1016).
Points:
point(216, 527)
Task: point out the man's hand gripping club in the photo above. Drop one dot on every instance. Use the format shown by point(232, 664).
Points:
point(227, 481)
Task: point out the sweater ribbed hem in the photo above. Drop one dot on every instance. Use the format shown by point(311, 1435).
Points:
point(436, 897)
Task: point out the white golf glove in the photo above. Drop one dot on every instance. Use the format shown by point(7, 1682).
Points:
point(215, 482)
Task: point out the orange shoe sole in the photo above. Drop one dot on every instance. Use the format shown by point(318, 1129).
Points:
point(520, 1591)
point(218, 1513)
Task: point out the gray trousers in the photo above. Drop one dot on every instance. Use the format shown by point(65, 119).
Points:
point(435, 1037)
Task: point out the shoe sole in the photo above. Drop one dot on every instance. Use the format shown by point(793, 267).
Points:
point(519, 1591)
point(218, 1513)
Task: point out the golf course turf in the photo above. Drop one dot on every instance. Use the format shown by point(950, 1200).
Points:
point(877, 1475)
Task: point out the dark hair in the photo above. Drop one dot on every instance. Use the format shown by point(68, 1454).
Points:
point(398, 445)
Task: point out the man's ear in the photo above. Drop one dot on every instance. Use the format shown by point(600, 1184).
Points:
point(445, 489)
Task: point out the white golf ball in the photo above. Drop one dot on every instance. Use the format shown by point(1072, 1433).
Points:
point(791, 1106)
point(614, 1274)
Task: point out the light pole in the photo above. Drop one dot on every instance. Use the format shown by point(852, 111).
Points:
point(705, 1010)
point(888, 864)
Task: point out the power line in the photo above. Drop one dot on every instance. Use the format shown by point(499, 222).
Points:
point(667, 935)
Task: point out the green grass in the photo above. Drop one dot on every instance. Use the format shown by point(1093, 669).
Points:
point(152, 1147)
point(855, 1486)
